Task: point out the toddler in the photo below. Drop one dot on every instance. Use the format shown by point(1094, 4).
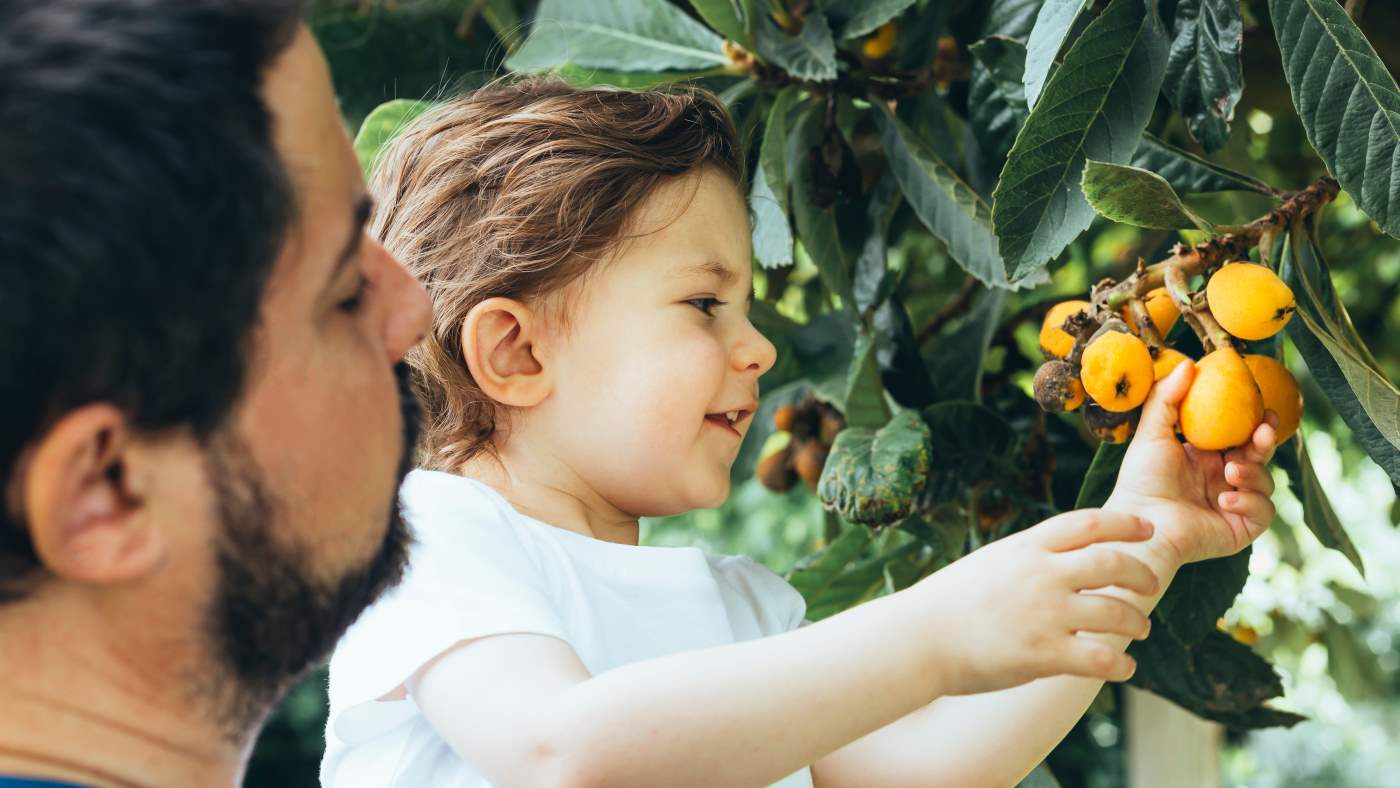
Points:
point(591, 362)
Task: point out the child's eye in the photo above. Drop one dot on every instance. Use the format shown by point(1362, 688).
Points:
point(356, 300)
point(705, 304)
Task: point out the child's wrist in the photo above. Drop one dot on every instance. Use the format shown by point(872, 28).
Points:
point(1159, 553)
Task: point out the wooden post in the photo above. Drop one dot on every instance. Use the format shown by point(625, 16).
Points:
point(1167, 746)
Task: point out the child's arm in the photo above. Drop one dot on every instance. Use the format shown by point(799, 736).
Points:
point(995, 739)
point(525, 711)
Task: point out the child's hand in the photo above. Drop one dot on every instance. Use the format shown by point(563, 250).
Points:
point(1203, 504)
point(1017, 603)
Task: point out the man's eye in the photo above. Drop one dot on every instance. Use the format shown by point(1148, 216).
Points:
point(705, 304)
point(356, 300)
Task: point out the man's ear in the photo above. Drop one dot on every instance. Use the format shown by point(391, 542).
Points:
point(77, 501)
point(501, 346)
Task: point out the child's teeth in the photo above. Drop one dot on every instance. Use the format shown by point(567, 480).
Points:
point(732, 415)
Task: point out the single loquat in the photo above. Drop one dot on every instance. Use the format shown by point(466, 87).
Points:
point(1116, 371)
point(1055, 342)
point(1280, 392)
point(1249, 300)
point(1223, 406)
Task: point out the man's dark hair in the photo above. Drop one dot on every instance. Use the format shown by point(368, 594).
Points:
point(142, 205)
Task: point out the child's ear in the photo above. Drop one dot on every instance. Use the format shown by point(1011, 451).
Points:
point(77, 500)
point(500, 339)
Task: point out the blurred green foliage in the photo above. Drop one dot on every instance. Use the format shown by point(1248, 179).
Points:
point(1336, 636)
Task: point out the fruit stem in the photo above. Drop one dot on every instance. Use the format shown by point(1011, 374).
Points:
point(1147, 330)
point(1209, 332)
point(1213, 252)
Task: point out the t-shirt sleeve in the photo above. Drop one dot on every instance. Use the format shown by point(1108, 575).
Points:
point(472, 573)
point(776, 606)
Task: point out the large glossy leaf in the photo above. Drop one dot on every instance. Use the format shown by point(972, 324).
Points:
point(872, 476)
point(732, 18)
point(1217, 678)
point(854, 18)
point(1318, 514)
point(1095, 106)
point(873, 278)
point(1200, 594)
point(625, 35)
point(864, 401)
point(955, 367)
point(1052, 27)
point(1189, 173)
point(1102, 475)
point(946, 205)
point(1204, 75)
point(1347, 100)
point(974, 444)
point(772, 235)
point(381, 125)
point(1337, 356)
point(817, 571)
point(1130, 195)
point(902, 368)
point(809, 55)
point(1013, 18)
point(996, 100)
point(816, 224)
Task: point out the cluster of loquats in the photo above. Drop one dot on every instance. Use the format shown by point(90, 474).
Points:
point(812, 426)
point(1104, 355)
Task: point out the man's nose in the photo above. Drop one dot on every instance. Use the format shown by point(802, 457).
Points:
point(409, 310)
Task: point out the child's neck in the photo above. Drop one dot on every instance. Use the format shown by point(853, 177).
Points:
point(552, 493)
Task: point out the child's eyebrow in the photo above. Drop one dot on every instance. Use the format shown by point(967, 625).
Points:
point(716, 269)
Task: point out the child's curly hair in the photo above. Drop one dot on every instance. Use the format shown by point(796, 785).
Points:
point(516, 190)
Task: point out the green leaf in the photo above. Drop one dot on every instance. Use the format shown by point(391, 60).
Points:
point(772, 154)
point(1052, 27)
point(946, 205)
point(582, 77)
point(1204, 75)
point(1014, 18)
point(1095, 106)
point(856, 18)
point(1338, 358)
point(1102, 475)
point(624, 35)
point(873, 280)
point(1191, 174)
point(816, 224)
point(1200, 594)
point(504, 21)
point(1348, 102)
point(772, 235)
point(974, 444)
point(1005, 60)
point(1040, 777)
point(902, 368)
point(872, 476)
point(864, 403)
point(1216, 679)
point(381, 125)
point(956, 364)
point(1318, 514)
point(996, 102)
point(814, 574)
point(1129, 195)
point(810, 55)
point(732, 18)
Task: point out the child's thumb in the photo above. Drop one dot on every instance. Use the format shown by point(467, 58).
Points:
point(1159, 413)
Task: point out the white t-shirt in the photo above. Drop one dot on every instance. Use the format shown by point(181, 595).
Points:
point(481, 568)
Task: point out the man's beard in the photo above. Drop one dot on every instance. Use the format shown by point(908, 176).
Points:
point(271, 622)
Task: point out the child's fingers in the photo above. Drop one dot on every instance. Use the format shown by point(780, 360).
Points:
point(1250, 477)
point(1099, 613)
point(1159, 413)
point(1100, 567)
point(1261, 446)
point(1081, 528)
point(1254, 507)
point(1096, 660)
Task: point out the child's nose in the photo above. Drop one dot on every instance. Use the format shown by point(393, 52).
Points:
point(755, 352)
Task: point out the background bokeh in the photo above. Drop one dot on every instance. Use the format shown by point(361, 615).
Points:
point(1334, 635)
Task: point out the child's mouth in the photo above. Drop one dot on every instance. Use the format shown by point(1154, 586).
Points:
point(722, 421)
